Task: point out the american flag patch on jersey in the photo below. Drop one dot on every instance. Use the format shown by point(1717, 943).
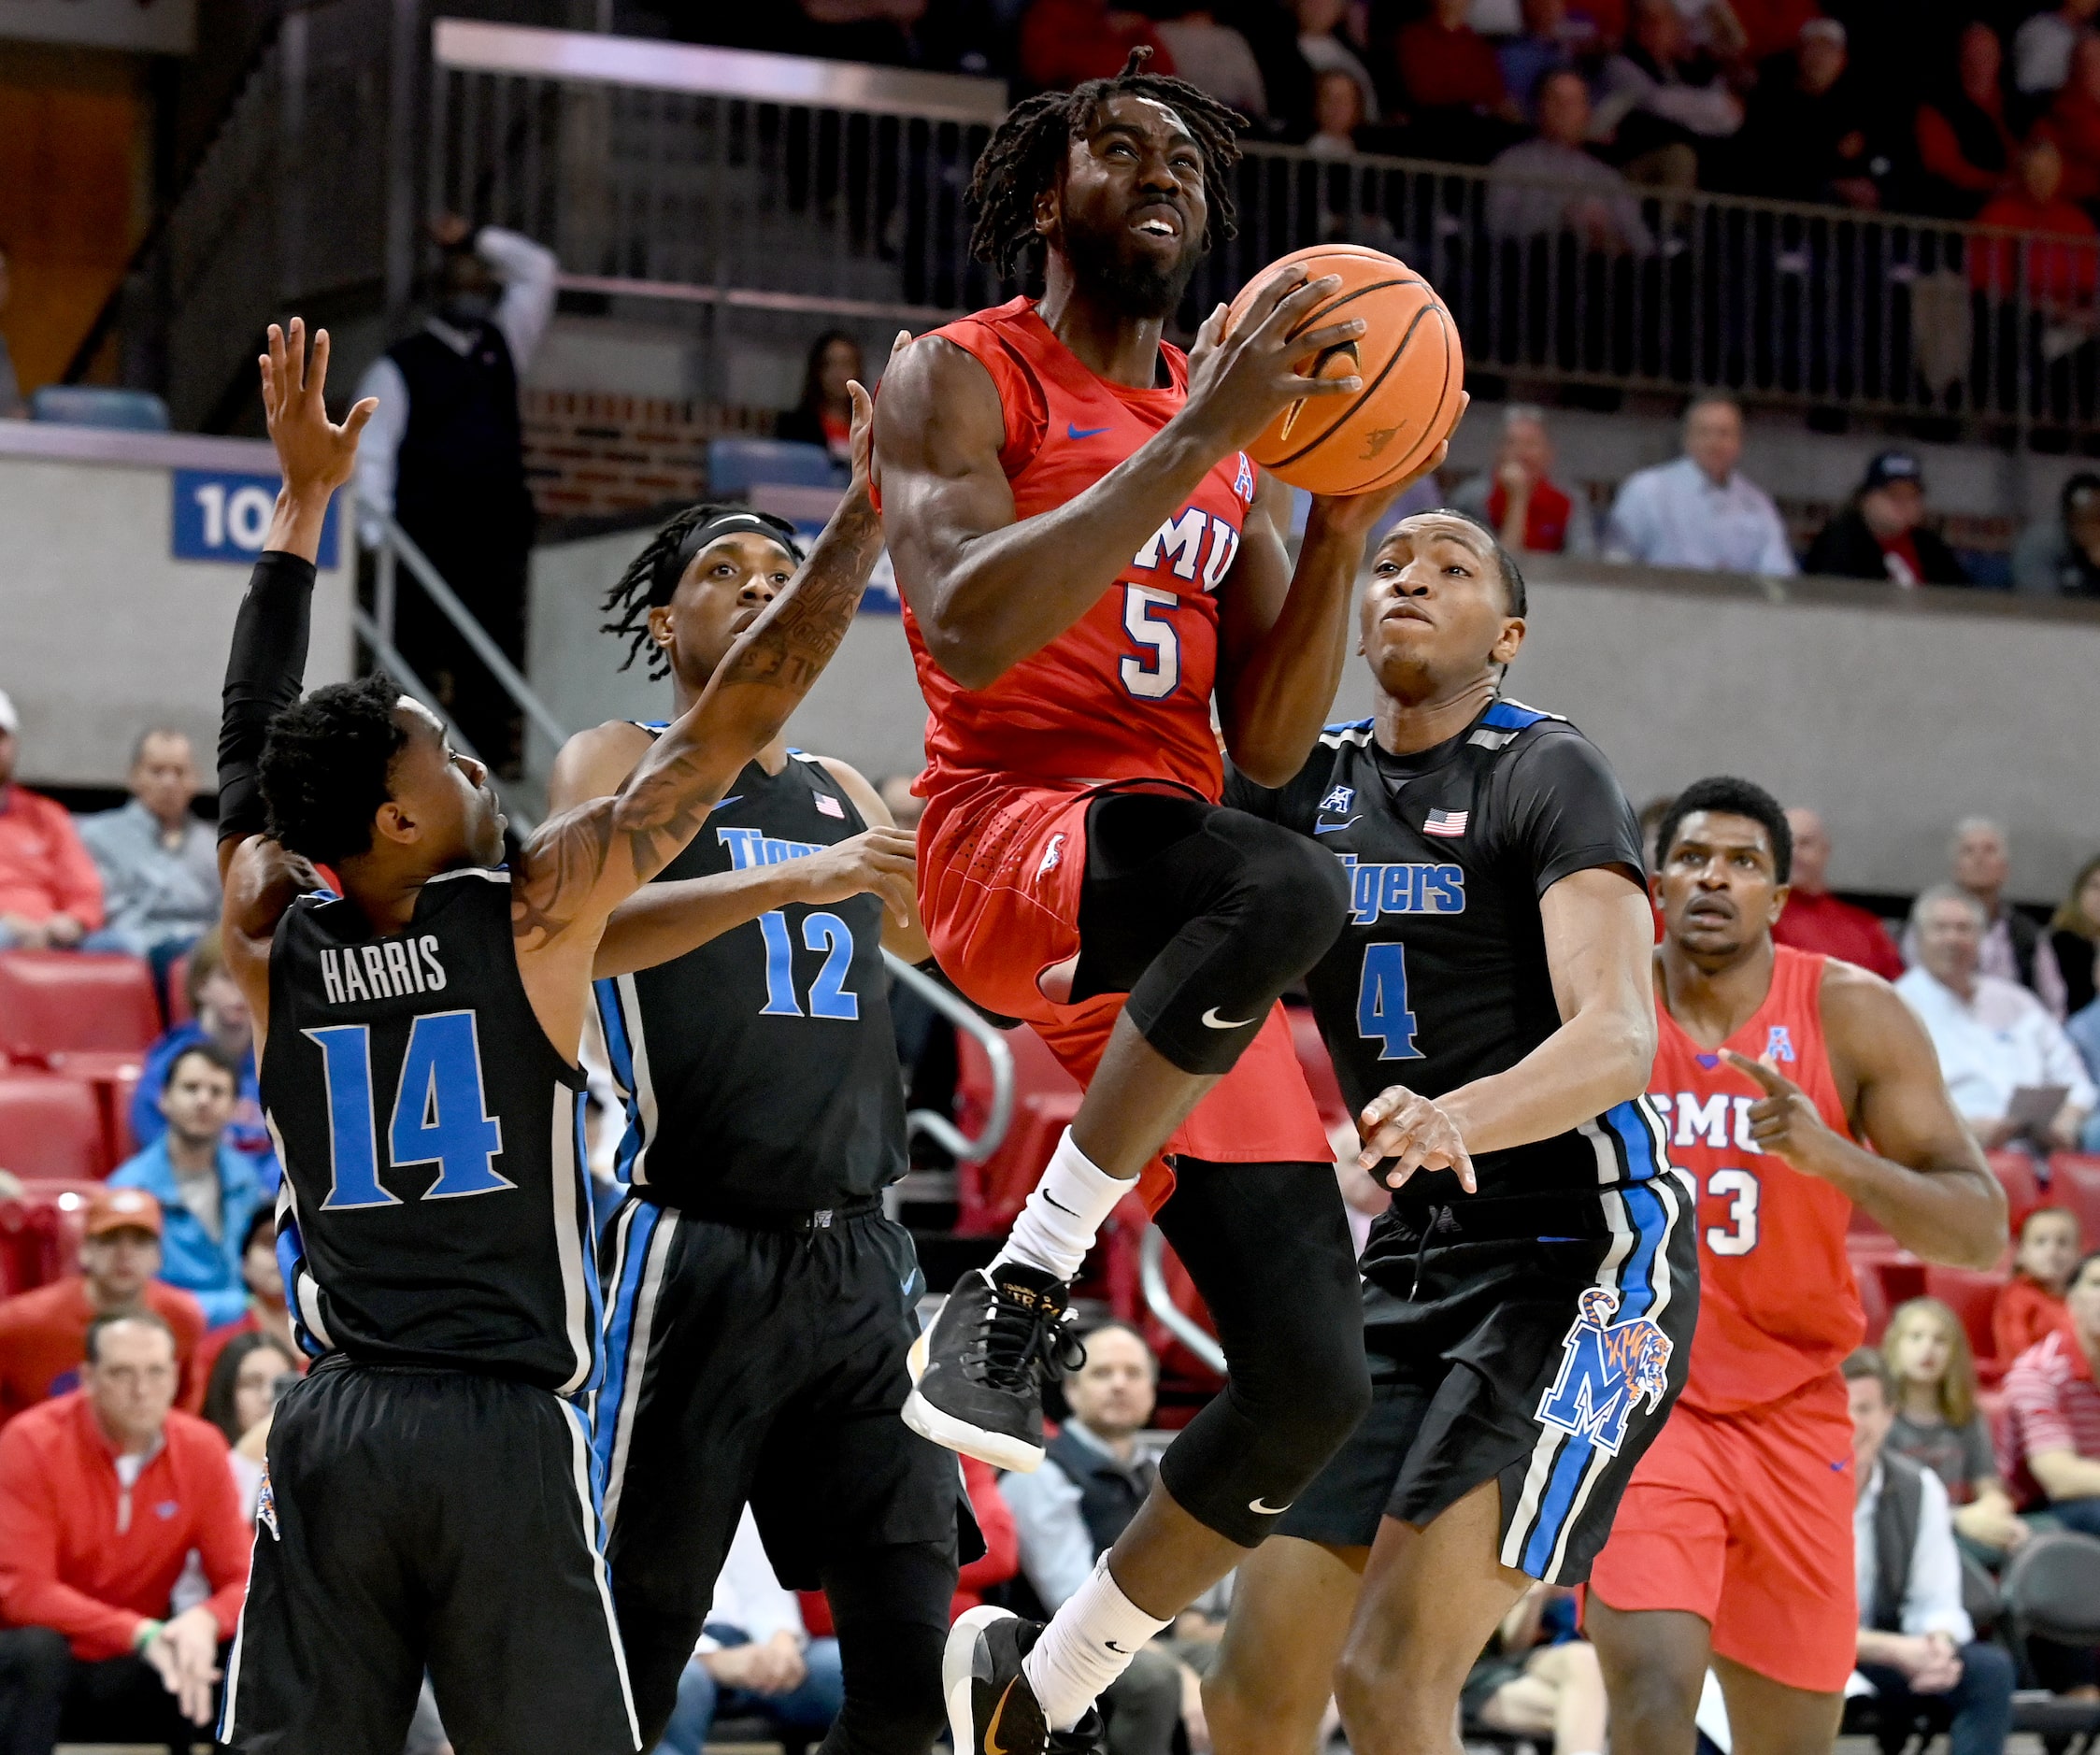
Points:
point(1449, 824)
point(826, 805)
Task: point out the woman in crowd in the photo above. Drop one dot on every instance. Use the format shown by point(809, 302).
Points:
point(2074, 936)
point(1964, 146)
point(1937, 1422)
point(825, 416)
point(239, 1397)
point(2032, 1303)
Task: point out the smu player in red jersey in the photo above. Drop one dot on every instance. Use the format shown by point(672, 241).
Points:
point(1089, 562)
point(1734, 1543)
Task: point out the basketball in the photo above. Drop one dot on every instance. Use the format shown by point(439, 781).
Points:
point(1408, 359)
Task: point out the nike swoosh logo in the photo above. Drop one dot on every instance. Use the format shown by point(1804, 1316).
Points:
point(1083, 432)
point(1261, 1508)
point(1058, 1204)
point(1212, 1021)
point(992, 1743)
point(1334, 828)
point(1120, 1650)
point(732, 799)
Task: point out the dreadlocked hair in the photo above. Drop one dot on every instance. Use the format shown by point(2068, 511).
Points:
point(652, 579)
point(324, 775)
point(1027, 152)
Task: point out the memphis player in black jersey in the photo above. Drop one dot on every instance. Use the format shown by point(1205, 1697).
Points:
point(760, 1305)
point(430, 1498)
point(1530, 1297)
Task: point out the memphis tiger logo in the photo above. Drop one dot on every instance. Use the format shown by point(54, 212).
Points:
point(265, 1506)
point(1608, 1370)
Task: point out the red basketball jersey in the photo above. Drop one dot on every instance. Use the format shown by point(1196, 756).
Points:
point(1777, 1305)
point(1124, 693)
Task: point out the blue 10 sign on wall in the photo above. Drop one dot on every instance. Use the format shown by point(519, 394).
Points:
point(220, 516)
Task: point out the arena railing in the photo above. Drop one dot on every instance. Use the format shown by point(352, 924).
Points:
point(765, 183)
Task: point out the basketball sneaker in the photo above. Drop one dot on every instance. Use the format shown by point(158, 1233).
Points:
point(978, 1371)
point(992, 1710)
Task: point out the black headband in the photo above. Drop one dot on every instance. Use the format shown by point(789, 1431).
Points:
point(672, 567)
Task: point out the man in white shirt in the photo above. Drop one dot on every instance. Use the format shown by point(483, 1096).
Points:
point(1917, 1646)
point(1993, 1036)
point(159, 863)
point(1980, 860)
point(1700, 511)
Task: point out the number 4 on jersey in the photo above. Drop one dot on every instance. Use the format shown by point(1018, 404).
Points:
point(1381, 1003)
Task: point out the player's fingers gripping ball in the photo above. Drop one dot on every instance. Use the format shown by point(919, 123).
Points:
point(1408, 358)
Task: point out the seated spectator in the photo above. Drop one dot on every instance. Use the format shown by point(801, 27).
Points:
point(159, 863)
point(1881, 534)
point(2073, 122)
point(824, 414)
point(1065, 42)
point(2030, 1305)
point(218, 1015)
point(1518, 496)
point(1451, 85)
point(2060, 557)
point(208, 1190)
point(1663, 105)
point(1070, 1510)
point(2052, 263)
point(1556, 184)
point(2052, 1412)
point(1545, 46)
point(1338, 113)
point(754, 1659)
point(1965, 148)
point(2041, 48)
point(1539, 1679)
point(1980, 860)
point(1917, 1646)
point(1938, 1425)
point(266, 1313)
point(1320, 23)
point(240, 1395)
point(2083, 1027)
point(42, 1331)
point(1700, 511)
point(1215, 58)
point(1803, 136)
point(92, 1649)
point(1814, 919)
point(2073, 938)
point(51, 893)
point(1993, 1037)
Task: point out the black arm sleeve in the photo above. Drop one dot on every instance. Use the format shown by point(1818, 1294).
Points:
point(264, 671)
point(1567, 812)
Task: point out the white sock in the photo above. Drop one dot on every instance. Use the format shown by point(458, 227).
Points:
point(1057, 1226)
point(1088, 1644)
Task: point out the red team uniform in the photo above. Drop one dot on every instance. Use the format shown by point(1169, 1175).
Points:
point(1742, 1511)
point(1119, 700)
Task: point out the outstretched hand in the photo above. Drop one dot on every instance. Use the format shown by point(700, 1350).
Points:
point(316, 453)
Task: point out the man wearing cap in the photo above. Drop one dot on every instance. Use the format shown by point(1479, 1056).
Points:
point(42, 1333)
point(51, 893)
point(1881, 534)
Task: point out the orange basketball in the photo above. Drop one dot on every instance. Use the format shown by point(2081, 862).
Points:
point(1408, 359)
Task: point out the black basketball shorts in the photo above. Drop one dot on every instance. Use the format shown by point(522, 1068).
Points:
point(418, 1519)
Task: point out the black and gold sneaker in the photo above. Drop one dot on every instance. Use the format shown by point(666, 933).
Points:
point(978, 1371)
point(992, 1710)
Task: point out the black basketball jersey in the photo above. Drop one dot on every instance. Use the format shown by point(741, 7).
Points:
point(435, 1209)
point(759, 1070)
point(1440, 976)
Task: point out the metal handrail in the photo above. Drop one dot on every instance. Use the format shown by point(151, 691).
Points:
point(1151, 1252)
point(958, 1012)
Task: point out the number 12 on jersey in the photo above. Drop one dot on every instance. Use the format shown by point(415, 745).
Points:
point(1381, 1003)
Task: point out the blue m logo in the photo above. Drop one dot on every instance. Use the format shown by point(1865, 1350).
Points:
point(1608, 1370)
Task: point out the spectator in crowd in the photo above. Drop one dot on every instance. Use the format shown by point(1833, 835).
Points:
point(51, 894)
point(2061, 557)
point(1700, 511)
point(1917, 1646)
point(1517, 495)
point(243, 1390)
point(12, 406)
point(1215, 58)
point(1338, 113)
point(208, 1190)
point(1539, 1680)
point(1321, 45)
point(1938, 1425)
point(2052, 1409)
point(2041, 48)
point(1451, 85)
point(1555, 183)
point(823, 416)
point(266, 1313)
point(92, 1649)
point(1881, 534)
point(1995, 1039)
point(1980, 860)
point(2052, 260)
point(1965, 148)
point(1814, 919)
point(754, 1659)
point(445, 454)
point(1065, 42)
point(1663, 105)
point(159, 863)
point(2073, 122)
point(44, 1331)
point(1000, 1563)
point(1544, 45)
point(2084, 1031)
point(218, 1015)
point(1803, 136)
point(1070, 1510)
point(2030, 1305)
point(2073, 938)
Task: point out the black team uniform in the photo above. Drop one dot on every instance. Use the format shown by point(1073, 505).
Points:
point(1539, 1331)
point(759, 1306)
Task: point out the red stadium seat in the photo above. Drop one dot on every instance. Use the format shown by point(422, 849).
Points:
point(2015, 1171)
point(54, 1001)
point(2074, 1181)
point(1972, 1295)
point(52, 1127)
point(1046, 1098)
point(1873, 1301)
point(33, 1245)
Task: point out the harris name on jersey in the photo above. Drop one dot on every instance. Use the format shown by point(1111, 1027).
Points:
point(392, 968)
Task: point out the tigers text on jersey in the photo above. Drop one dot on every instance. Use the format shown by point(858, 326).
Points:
point(1439, 975)
point(1777, 1305)
point(1123, 693)
point(434, 1208)
point(760, 1070)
